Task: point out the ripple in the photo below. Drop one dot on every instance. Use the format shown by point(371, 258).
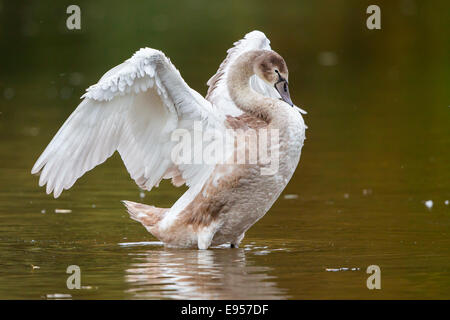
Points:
point(142, 243)
point(342, 269)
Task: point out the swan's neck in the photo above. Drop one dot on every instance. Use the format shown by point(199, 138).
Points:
point(245, 98)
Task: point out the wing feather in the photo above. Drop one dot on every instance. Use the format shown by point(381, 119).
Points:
point(134, 108)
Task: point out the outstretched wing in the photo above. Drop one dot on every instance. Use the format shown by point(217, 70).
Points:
point(134, 109)
point(218, 92)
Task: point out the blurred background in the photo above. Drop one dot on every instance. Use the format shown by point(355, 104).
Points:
point(372, 186)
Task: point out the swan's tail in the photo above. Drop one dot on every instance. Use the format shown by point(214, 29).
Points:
point(149, 216)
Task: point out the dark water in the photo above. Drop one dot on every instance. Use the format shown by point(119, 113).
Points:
point(377, 148)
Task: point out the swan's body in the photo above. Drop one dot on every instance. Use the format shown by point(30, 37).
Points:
point(137, 106)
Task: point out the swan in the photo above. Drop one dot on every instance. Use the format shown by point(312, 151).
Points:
point(138, 106)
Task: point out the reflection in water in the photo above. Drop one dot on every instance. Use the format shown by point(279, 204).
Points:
point(198, 274)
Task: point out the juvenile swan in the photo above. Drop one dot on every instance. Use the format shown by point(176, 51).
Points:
point(143, 109)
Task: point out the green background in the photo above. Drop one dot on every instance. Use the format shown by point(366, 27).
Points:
point(378, 147)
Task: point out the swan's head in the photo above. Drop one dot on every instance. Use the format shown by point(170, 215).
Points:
point(271, 68)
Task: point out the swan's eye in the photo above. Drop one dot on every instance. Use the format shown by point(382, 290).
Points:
point(277, 72)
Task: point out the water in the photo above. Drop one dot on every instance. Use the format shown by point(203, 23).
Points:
point(377, 148)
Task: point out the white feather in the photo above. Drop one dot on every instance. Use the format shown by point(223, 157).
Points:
point(134, 108)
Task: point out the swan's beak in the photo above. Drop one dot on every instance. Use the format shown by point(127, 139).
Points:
point(283, 90)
